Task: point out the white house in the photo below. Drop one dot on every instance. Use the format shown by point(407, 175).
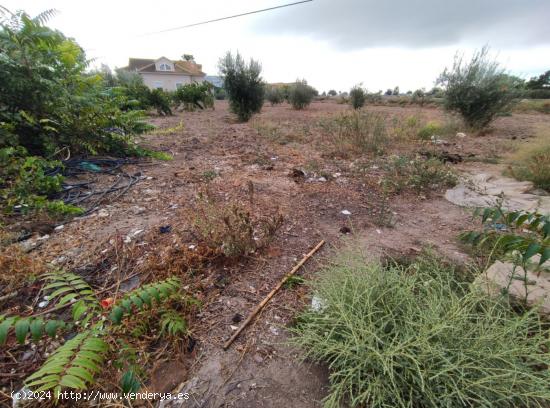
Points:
point(166, 74)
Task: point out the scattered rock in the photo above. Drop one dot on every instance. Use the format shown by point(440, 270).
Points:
point(103, 213)
point(346, 212)
point(461, 135)
point(258, 359)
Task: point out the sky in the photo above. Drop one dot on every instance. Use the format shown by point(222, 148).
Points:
point(333, 44)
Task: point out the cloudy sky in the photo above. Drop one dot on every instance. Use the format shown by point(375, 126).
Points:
point(332, 43)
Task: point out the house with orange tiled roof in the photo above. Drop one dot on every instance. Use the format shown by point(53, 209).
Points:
point(164, 73)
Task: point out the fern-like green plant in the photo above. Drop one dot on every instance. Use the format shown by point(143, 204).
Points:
point(72, 365)
point(36, 327)
point(173, 324)
point(143, 297)
point(76, 362)
point(69, 287)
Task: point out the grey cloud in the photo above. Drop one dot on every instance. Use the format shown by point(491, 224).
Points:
point(354, 24)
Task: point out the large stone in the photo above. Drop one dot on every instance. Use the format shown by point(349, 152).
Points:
point(501, 274)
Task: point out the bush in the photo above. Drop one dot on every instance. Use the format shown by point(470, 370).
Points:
point(478, 90)
point(243, 85)
point(417, 174)
point(533, 105)
point(274, 95)
point(357, 132)
point(301, 94)
point(532, 163)
point(429, 130)
point(49, 104)
point(416, 336)
point(357, 97)
point(195, 95)
point(332, 92)
point(230, 229)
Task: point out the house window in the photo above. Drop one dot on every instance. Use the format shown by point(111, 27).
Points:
point(165, 67)
point(158, 84)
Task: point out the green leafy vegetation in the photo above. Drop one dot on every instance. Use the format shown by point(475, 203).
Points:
point(402, 336)
point(301, 94)
point(517, 236)
point(243, 85)
point(49, 105)
point(357, 132)
point(76, 363)
point(416, 174)
point(274, 95)
point(194, 96)
point(357, 97)
point(478, 90)
point(532, 162)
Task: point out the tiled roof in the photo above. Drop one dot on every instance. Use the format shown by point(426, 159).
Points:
point(180, 67)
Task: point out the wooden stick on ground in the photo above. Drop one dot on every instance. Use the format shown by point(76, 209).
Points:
point(271, 294)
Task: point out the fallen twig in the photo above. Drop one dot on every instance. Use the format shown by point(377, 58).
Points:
point(270, 295)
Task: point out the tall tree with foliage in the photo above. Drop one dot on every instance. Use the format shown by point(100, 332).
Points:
point(478, 89)
point(48, 105)
point(243, 84)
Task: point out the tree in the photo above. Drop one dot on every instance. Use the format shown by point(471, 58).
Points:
point(332, 92)
point(388, 92)
point(396, 90)
point(274, 95)
point(243, 84)
point(301, 94)
point(478, 89)
point(540, 82)
point(188, 57)
point(357, 95)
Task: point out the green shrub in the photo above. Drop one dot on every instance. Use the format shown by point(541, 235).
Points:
point(26, 183)
point(417, 174)
point(357, 97)
point(533, 105)
point(301, 94)
point(274, 95)
point(357, 132)
point(429, 130)
point(243, 85)
point(416, 336)
point(479, 89)
point(532, 163)
point(195, 95)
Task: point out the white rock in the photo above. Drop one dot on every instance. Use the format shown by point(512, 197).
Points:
point(345, 212)
point(318, 304)
point(59, 227)
point(461, 135)
point(103, 213)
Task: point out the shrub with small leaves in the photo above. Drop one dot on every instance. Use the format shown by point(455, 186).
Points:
point(357, 96)
point(274, 95)
point(479, 89)
point(301, 94)
point(243, 85)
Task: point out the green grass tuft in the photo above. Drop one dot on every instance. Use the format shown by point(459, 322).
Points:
point(416, 336)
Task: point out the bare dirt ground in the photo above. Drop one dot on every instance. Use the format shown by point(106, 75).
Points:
point(231, 159)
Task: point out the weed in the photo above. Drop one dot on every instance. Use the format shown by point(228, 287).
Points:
point(417, 174)
point(18, 268)
point(294, 281)
point(532, 163)
point(357, 133)
point(209, 175)
point(230, 228)
point(416, 336)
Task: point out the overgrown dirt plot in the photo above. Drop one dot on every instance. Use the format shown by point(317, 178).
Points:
point(234, 210)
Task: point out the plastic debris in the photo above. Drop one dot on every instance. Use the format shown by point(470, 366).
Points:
point(318, 304)
point(345, 212)
point(165, 229)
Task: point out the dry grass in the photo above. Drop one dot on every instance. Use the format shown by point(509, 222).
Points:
point(233, 228)
point(17, 268)
point(532, 161)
